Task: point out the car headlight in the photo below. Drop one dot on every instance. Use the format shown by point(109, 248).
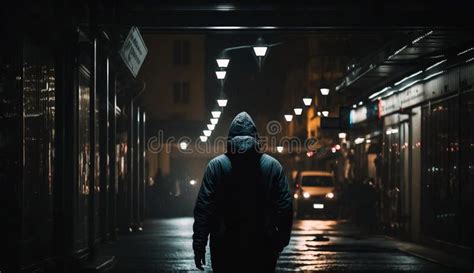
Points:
point(295, 196)
point(306, 195)
point(330, 195)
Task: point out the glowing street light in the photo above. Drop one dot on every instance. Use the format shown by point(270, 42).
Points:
point(280, 149)
point(342, 135)
point(325, 113)
point(207, 133)
point(216, 114)
point(183, 145)
point(192, 182)
point(307, 101)
point(203, 138)
point(298, 111)
point(324, 91)
point(223, 62)
point(211, 126)
point(214, 121)
point(288, 118)
point(222, 102)
point(260, 51)
point(220, 75)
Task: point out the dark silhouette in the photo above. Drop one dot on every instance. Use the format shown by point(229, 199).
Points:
point(244, 204)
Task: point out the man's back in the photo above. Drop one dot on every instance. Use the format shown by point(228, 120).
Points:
point(244, 204)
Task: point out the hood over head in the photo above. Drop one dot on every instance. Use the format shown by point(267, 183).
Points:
point(243, 137)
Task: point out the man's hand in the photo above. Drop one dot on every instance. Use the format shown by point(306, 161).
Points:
point(200, 259)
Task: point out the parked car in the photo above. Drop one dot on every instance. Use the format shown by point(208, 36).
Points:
point(314, 194)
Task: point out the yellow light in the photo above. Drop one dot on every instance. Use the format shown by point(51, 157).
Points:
point(330, 195)
point(295, 196)
point(306, 195)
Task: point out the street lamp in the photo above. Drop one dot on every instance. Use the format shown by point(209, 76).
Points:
point(203, 138)
point(220, 75)
point(260, 50)
point(222, 102)
point(183, 145)
point(289, 118)
point(324, 91)
point(207, 133)
point(298, 111)
point(280, 149)
point(223, 62)
point(342, 135)
point(211, 126)
point(214, 121)
point(325, 113)
point(307, 101)
point(216, 114)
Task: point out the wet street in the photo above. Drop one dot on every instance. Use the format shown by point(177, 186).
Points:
point(165, 246)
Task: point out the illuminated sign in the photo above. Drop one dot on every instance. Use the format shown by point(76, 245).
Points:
point(133, 51)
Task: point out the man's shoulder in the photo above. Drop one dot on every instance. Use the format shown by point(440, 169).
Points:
point(218, 160)
point(269, 160)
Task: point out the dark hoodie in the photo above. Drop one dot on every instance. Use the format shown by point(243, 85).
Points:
point(244, 204)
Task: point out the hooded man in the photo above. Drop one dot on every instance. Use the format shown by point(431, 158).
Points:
point(244, 204)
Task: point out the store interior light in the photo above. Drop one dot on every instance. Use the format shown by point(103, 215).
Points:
point(211, 126)
point(222, 102)
point(324, 91)
point(325, 113)
point(207, 132)
point(223, 62)
point(214, 121)
point(288, 118)
point(359, 140)
point(220, 75)
point(298, 111)
point(307, 101)
point(216, 114)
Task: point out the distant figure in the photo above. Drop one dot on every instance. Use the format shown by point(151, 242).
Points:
point(244, 204)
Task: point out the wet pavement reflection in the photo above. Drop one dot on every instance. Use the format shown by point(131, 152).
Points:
point(316, 246)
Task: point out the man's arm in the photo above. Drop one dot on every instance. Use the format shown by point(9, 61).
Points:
point(284, 210)
point(203, 213)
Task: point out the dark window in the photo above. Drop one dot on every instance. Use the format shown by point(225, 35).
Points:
point(182, 52)
point(317, 181)
point(181, 92)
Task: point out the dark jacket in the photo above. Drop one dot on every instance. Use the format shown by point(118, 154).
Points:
point(244, 203)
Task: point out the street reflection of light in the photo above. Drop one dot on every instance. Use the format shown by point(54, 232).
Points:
point(222, 102)
point(211, 126)
point(288, 118)
point(298, 111)
point(207, 133)
point(223, 63)
point(342, 135)
point(203, 138)
point(260, 51)
point(325, 113)
point(192, 182)
point(214, 121)
point(306, 195)
point(307, 101)
point(220, 75)
point(279, 149)
point(216, 114)
point(183, 145)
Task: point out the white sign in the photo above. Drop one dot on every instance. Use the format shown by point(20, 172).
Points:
point(133, 51)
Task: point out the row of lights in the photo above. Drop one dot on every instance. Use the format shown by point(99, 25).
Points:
point(260, 50)
point(307, 102)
